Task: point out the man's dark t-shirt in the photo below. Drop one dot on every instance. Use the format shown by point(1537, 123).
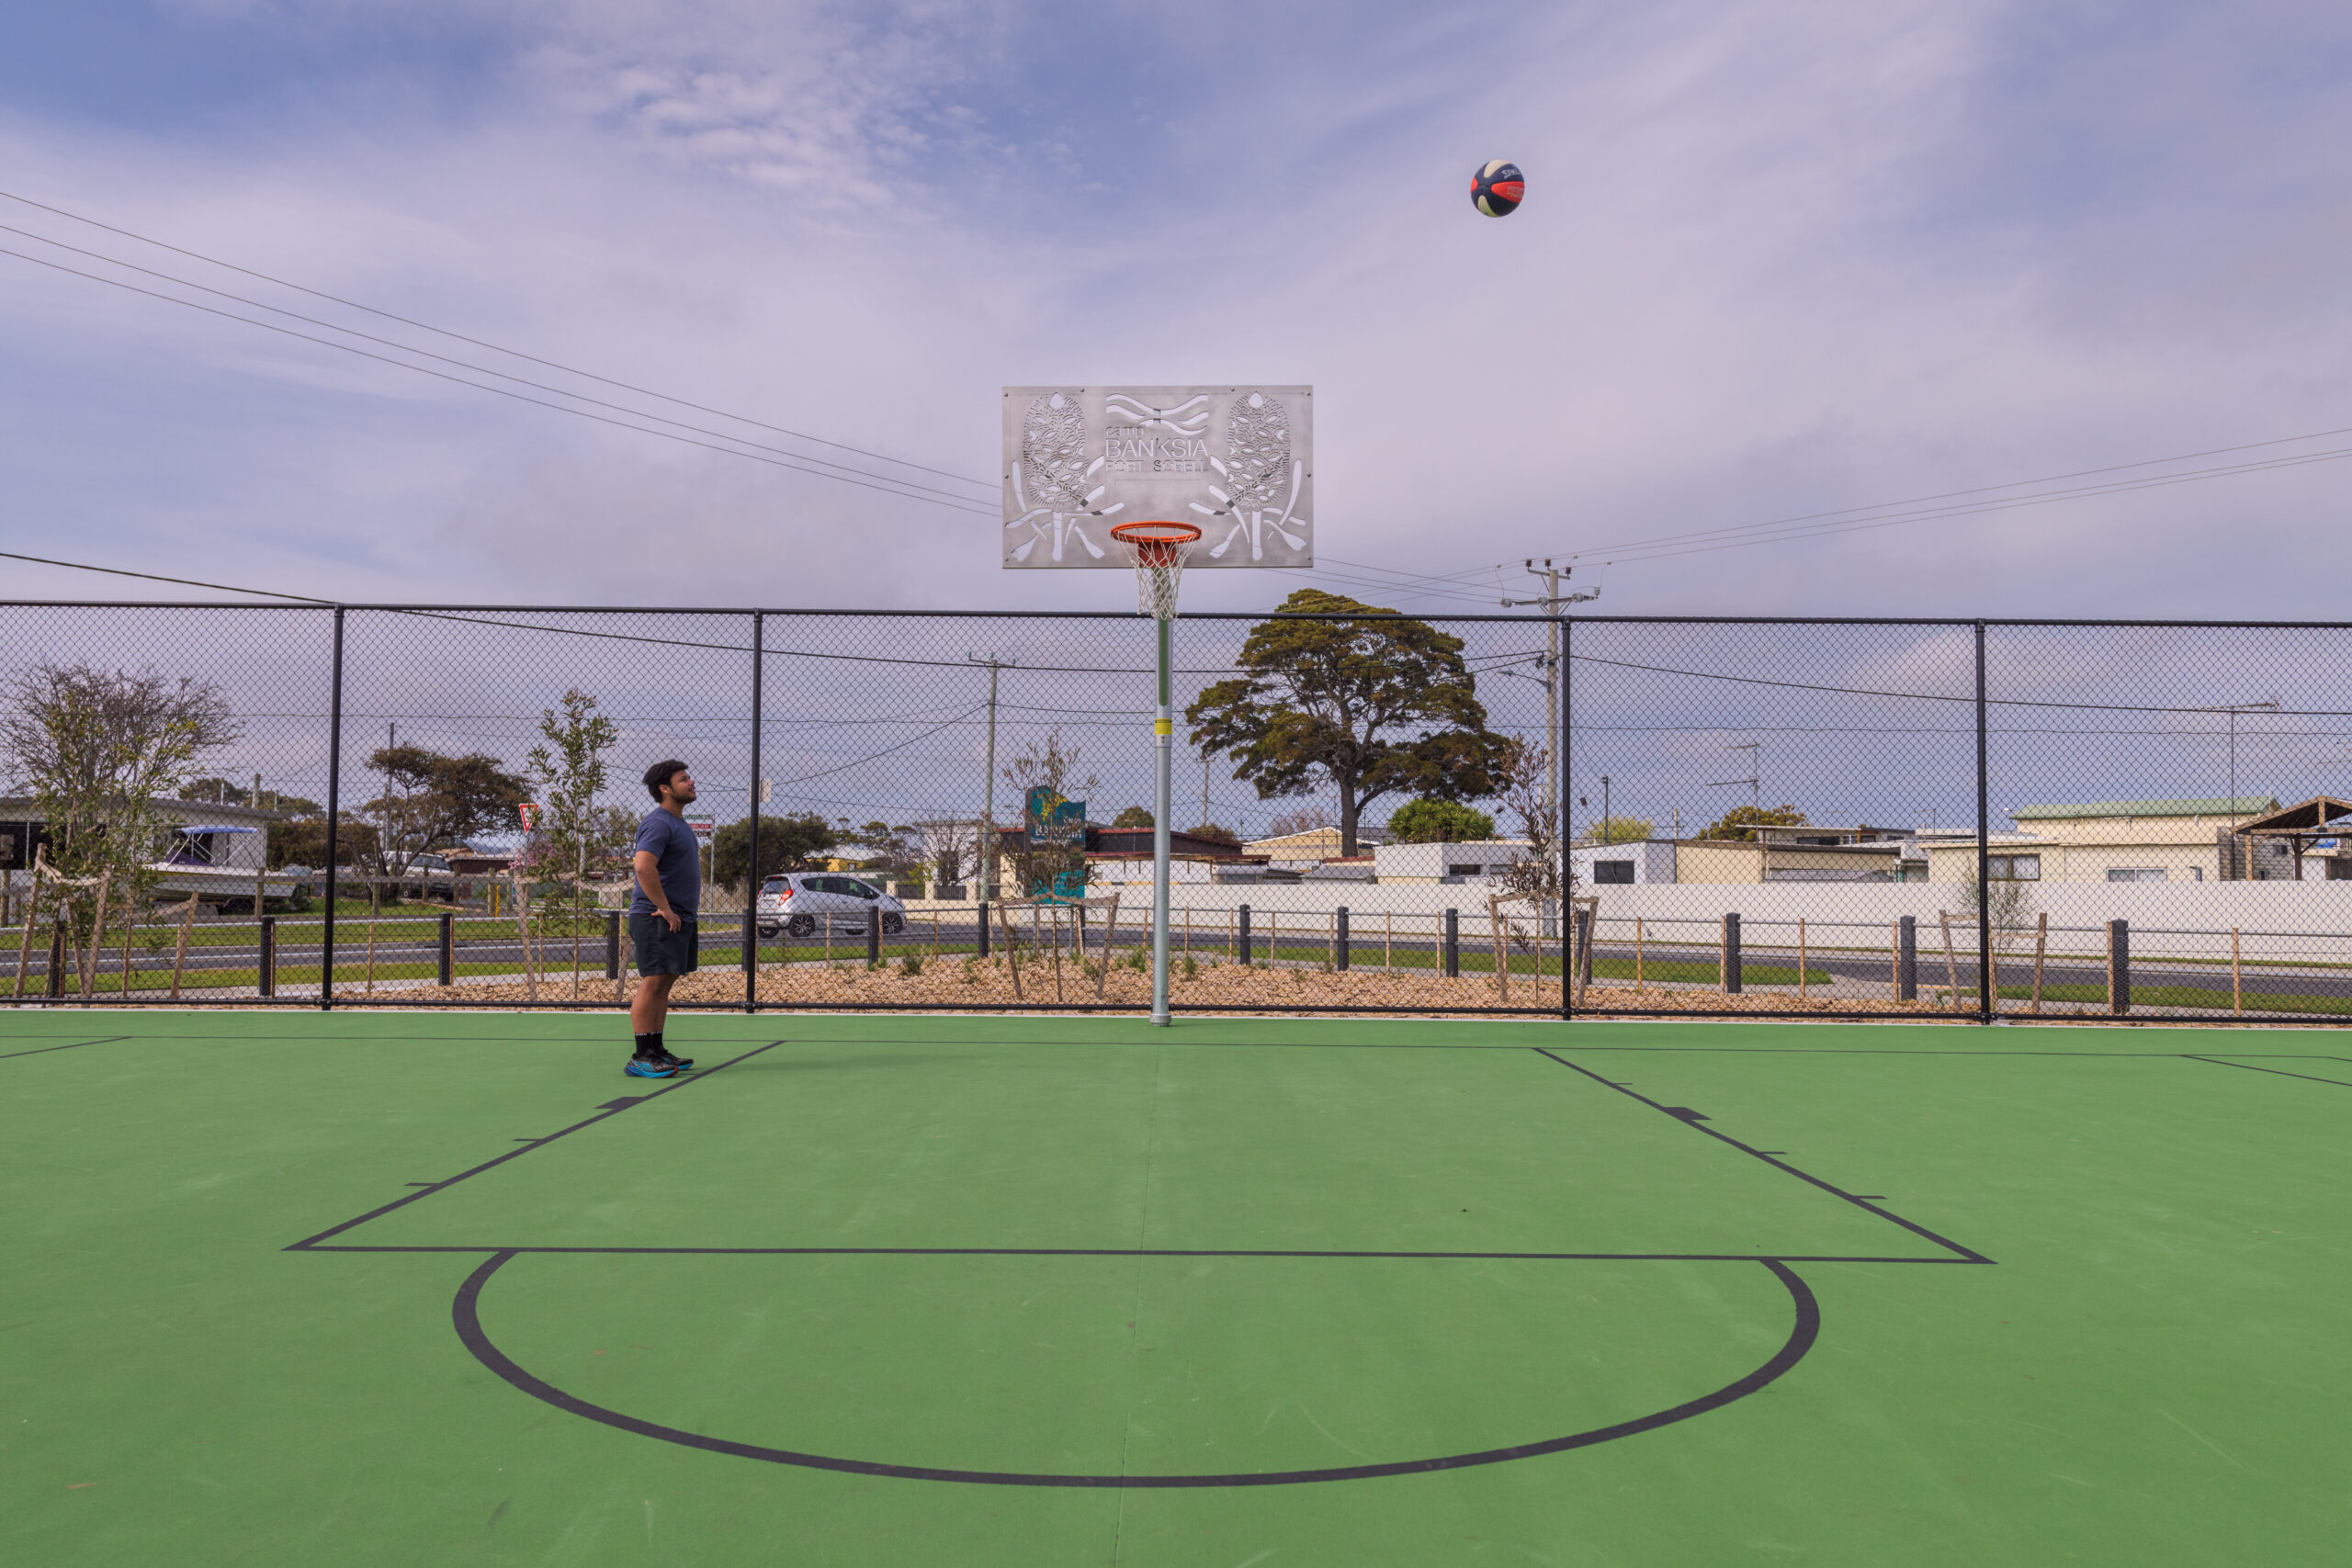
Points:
point(676, 863)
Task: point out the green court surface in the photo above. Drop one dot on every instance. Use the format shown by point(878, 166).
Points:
point(412, 1288)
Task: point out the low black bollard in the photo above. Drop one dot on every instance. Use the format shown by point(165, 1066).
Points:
point(1453, 944)
point(1731, 956)
point(1339, 941)
point(449, 948)
point(2118, 965)
point(266, 981)
point(612, 944)
point(57, 961)
point(1906, 959)
point(1242, 935)
point(1583, 926)
point(872, 936)
point(984, 928)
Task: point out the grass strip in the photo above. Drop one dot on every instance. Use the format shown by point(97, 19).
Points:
point(2182, 997)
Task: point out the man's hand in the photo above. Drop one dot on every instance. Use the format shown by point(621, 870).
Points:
point(671, 916)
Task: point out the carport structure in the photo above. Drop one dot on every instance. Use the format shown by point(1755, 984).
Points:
point(2307, 827)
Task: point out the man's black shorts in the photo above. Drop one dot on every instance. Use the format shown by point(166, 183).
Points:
point(660, 949)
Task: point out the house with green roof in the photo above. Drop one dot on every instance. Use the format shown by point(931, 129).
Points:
point(2111, 840)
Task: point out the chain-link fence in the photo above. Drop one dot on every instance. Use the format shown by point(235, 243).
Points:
point(395, 806)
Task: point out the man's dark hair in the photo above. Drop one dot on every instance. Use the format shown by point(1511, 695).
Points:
point(661, 773)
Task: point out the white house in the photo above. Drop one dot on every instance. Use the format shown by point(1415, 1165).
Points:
point(1633, 864)
point(1471, 860)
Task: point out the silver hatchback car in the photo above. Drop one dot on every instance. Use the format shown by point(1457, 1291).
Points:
point(800, 903)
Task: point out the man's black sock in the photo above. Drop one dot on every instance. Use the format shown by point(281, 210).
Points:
point(648, 1047)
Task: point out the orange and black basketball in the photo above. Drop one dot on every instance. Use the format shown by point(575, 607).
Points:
point(1497, 188)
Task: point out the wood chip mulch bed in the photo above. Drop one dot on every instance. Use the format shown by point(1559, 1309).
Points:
point(1283, 989)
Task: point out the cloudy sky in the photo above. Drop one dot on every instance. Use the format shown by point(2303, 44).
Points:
point(1777, 261)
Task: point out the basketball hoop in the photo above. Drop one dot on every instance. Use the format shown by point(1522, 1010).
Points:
point(1158, 551)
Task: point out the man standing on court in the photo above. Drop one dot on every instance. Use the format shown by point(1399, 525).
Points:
point(661, 916)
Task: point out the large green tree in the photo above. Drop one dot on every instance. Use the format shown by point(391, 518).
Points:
point(1370, 704)
point(793, 842)
point(432, 799)
point(1438, 822)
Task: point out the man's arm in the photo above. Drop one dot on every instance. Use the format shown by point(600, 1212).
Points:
point(648, 879)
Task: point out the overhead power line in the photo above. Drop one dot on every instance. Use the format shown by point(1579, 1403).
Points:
point(885, 487)
point(151, 576)
point(462, 363)
point(1887, 515)
point(496, 348)
point(1856, 513)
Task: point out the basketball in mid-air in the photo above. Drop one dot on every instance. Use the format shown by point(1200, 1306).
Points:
point(1497, 188)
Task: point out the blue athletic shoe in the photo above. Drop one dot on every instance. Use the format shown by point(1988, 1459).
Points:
point(638, 1068)
point(681, 1062)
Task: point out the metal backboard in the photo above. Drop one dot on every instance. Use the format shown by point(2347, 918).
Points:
point(1236, 461)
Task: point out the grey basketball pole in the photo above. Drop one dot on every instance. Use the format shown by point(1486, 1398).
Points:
point(1163, 803)
point(1158, 551)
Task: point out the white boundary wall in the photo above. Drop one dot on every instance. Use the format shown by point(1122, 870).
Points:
point(2307, 909)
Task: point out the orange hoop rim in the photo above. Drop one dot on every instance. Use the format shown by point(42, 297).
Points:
point(1157, 545)
point(1178, 534)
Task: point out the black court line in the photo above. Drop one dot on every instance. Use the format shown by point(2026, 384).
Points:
point(76, 1045)
point(309, 1243)
point(517, 1251)
point(1967, 1255)
point(466, 1312)
point(2275, 1072)
point(1938, 1050)
point(606, 1039)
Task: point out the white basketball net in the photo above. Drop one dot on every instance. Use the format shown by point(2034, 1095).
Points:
point(1159, 569)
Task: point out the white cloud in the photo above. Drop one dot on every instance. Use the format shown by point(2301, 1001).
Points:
point(1773, 263)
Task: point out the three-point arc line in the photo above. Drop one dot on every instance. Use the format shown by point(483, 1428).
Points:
point(466, 1316)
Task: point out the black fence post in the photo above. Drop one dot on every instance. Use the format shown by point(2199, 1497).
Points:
point(1581, 943)
point(874, 935)
point(984, 926)
point(2119, 966)
point(266, 980)
point(1453, 944)
point(335, 813)
point(612, 944)
point(56, 961)
point(449, 948)
point(1907, 959)
point(752, 873)
point(1242, 936)
point(1339, 941)
point(1731, 956)
point(1984, 997)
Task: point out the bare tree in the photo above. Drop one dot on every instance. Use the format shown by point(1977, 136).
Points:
point(954, 847)
point(96, 750)
point(578, 832)
point(2006, 900)
point(1302, 819)
point(1539, 874)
